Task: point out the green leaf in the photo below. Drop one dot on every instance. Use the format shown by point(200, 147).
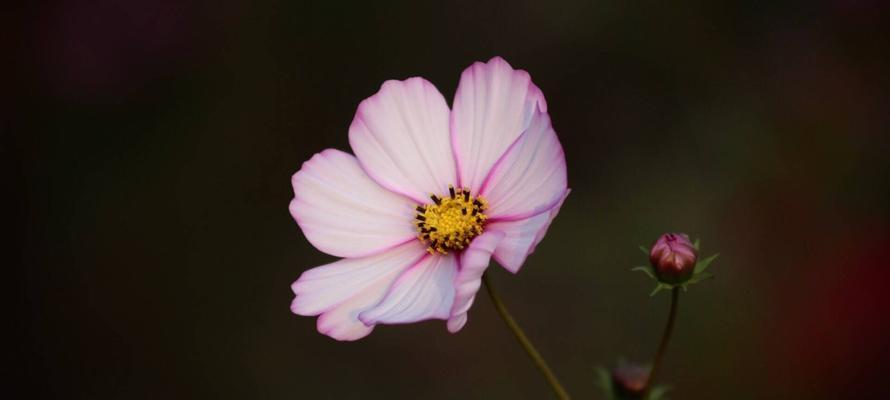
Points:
point(697, 242)
point(646, 270)
point(604, 380)
point(660, 287)
point(658, 392)
point(644, 250)
point(699, 277)
point(702, 265)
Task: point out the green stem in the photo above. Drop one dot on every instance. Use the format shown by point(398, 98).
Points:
point(665, 338)
point(523, 340)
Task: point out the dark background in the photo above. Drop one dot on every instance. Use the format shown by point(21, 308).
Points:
point(153, 142)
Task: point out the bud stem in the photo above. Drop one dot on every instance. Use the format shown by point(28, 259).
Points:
point(523, 340)
point(665, 338)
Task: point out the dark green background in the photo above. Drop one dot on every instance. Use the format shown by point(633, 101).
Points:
point(154, 144)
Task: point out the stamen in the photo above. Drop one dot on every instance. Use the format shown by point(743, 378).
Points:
point(452, 222)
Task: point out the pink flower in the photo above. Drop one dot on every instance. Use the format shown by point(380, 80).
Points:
point(673, 257)
point(430, 196)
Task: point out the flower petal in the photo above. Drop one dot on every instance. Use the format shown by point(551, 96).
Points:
point(343, 212)
point(530, 178)
point(341, 290)
point(342, 323)
point(400, 136)
point(424, 291)
point(493, 105)
point(473, 263)
point(552, 215)
point(521, 237)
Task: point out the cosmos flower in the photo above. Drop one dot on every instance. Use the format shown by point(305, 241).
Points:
point(431, 195)
point(673, 257)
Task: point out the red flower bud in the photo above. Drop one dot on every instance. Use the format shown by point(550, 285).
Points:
point(629, 381)
point(673, 257)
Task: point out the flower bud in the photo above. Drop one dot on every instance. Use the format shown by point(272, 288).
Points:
point(629, 381)
point(673, 257)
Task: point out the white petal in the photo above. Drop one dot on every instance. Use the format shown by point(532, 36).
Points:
point(531, 176)
point(493, 105)
point(341, 290)
point(400, 136)
point(343, 212)
point(473, 263)
point(424, 291)
point(521, 237)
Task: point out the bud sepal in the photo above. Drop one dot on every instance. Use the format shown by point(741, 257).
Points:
point(627, 382)
point(669, 282)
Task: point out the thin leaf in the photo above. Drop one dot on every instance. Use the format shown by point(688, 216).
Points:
point(697, 242)
point(660, 287)
point(646, 270)
point(658, 392)
point(644, 250)
point(604, 380)
point(702, 265)
point(699, 277)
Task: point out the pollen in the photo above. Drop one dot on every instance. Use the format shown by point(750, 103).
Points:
point(450, 222)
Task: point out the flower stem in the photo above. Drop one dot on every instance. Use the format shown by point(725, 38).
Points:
point(523, 340)
point(665, 338)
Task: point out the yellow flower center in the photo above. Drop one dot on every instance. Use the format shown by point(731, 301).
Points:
point(452, 221)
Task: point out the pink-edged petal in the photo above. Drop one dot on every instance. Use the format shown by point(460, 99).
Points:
point(340, 291)
point(342, 323)
point(552, 215)
point(343, 212)
point(493, 105)
point(522, 236)
point(473, 263)
point(321, 288)
point(400, 136)
point(424, 291)
point(530, 178)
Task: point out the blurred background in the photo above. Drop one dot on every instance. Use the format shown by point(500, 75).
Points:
point(151, 147)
